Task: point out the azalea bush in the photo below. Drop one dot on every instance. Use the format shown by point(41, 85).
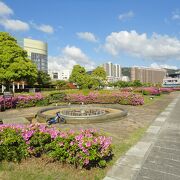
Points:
point(127, 98)
point(148, 91)
point(151, 91)
point(22, 100)
point(165, 90)
point(154, 90)
point(12, 145)
point(85, 148)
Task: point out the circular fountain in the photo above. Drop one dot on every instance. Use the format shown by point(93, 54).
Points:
point(78, 114)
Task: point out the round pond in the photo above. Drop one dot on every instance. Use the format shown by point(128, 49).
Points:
point(78, 114)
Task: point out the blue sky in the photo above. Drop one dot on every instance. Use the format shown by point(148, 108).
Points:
point(91, 32)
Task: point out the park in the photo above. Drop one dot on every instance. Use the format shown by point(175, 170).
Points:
point(97, 126)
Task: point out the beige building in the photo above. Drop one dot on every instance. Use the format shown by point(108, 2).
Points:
point(37, 52)
point(148, 75)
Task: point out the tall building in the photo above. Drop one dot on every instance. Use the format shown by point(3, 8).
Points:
point(148, 75)
point(113, 71)
point(37, 51)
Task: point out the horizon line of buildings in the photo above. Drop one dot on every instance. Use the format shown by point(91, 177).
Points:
point(38, 52)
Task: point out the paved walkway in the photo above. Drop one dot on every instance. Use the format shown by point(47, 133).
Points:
point(157, 155)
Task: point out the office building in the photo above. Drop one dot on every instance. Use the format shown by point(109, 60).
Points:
point(113, 71)
point(37, 51)
point(60, 75)
point(148, 75)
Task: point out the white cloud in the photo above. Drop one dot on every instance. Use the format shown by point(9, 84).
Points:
point(15, 25)
point(126, 16)
point(5, 10)
point(88, 36)
point(176, 15)
point(71, 56)
point(44, 28)
point(166, 66)
point(157, 47)
point(9, 23)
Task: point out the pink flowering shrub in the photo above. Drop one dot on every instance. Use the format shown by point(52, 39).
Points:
point(85, 148)
point(148, 91)
point(21, 100)
point(165, 90)
point(8, 102)
point(176, 89)
point(28, 100)
point(151, 91)
point(127, 98)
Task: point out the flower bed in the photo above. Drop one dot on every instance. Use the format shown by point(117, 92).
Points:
point(121, 98)
point(21, 100)
point(148, 91)
point(85, 148)
point(165, 90)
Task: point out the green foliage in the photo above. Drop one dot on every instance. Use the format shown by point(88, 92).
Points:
point(145, 92)
point(12, 146)
point(43, 102)
point(14, 64)
point(123, 84)
point(99, 72)
point(56, 97)
point(137, 83)
point(57, 151)
point(86, 81)
point(38, 142)
point(77, 74)
point(60, 84)
point(43, 78)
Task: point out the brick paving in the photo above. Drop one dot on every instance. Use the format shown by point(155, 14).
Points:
point(163, 161)
point(157, 155)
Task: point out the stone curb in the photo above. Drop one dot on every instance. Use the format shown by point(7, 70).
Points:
point(128, 166)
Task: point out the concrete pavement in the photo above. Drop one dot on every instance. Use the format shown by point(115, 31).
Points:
point(157, 155)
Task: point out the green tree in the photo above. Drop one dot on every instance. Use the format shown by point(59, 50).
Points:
point(14, 64)
point(98, 77)
point(43, 78)
point(99, 72)
point(60, 84)
point(137, 83)
point(78, 76)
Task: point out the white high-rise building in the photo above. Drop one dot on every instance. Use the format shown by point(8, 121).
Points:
point(113, 71)
point(60, 75)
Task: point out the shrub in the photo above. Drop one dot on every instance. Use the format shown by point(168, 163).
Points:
point(165, 90)
point(42, 102)
point(56, 97)
point(121, 98)
point(12, 145)
point(85, 148)
point(151, 91)
point(22, 100)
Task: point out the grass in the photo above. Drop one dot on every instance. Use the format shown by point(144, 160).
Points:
point(148, 101)
point(40, 168)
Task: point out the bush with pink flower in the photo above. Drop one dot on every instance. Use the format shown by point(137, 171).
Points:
point(126, 98)
point(85, 148)
point(21, 100)
point(165, 90)
point(148, 91)
point(151, 91)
